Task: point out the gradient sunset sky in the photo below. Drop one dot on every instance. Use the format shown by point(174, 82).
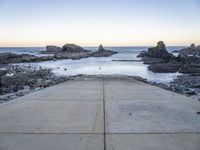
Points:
point(91, 22)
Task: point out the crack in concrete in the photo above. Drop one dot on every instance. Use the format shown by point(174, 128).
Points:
point(104, 116)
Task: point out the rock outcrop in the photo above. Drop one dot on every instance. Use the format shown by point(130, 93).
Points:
point(102, 52)
point(52, 49)
point(69, 51)
point(160, 51)
point(160, 60)
point(186, 84)
point(158, 54)
point(72, 48)
point(190, 54)
point(190, 57)
point(169, 67)
point(6, 58)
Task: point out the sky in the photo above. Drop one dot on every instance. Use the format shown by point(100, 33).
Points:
point(94, 22)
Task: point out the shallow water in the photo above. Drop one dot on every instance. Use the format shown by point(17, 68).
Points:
point(103, 65)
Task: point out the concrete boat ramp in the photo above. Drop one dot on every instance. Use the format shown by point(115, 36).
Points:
point(100, 113)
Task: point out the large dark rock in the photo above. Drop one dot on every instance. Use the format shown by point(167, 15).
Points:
point(159, 51)
point(170, 67)
point(158, 54)
point(191, 59)
point(160, 60)
point(190, 54)
point(72, 48)
point(53, 49)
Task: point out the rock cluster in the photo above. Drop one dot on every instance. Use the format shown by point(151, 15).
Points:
point(186, 84)
point(21, 79)
point(188, 61)
point(68, 51)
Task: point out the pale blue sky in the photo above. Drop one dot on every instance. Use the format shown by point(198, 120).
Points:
point(90, 22)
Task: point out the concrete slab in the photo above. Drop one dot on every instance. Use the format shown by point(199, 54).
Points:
point(51, 142)
point(144, 116)
point(52, 117)
point(153, 142)
point(77, 90)
point(81, 85)
point(134, 91)
point(71, 116)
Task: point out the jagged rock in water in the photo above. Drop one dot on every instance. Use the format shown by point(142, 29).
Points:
point(158, 54)
point(102, 52)
point(101, 48)
point(160, 51)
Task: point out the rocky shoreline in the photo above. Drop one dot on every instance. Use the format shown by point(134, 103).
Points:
point(21, 80)
point(187, 63)
point(17, 80)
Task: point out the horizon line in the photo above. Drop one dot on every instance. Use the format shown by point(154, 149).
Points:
point(97, 46)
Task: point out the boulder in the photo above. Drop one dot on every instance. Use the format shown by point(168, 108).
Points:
point(160, 51)
point(72, 48)
point(190, 54)
point(53, 49)
point(158, 54)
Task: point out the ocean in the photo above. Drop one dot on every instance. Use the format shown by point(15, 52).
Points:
point(102, 65)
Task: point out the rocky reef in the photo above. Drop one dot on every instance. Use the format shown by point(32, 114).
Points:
point(102, 52)
point(6, 58)
point(187, 62)
point(161, 61)
point(68, 51)
point(72, 51)
point(158, 54)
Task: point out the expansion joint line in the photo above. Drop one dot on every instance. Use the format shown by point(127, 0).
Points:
point(104, 116)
